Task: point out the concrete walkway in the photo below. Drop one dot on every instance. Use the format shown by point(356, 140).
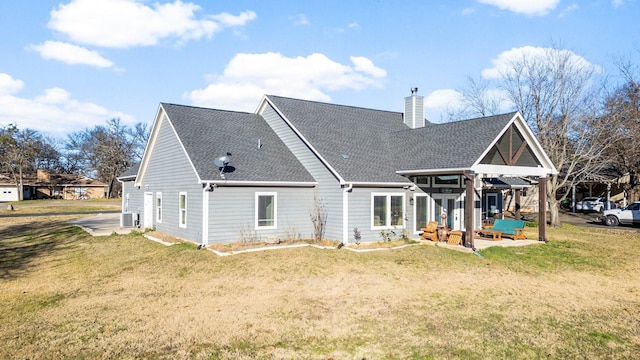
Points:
point(101, 224)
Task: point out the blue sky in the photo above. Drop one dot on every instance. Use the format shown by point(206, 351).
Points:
point(67, 65)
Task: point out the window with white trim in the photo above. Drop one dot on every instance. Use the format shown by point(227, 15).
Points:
point(387, 210)
point(266, 210)
point(182, 208)
point(159, 207)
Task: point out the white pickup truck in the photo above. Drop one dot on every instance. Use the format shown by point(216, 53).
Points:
point(629, 215)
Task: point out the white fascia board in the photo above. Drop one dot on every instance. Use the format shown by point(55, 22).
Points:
point(489, 170)
point(125, 178)
point(530, 138)
point(375, 184)
point(259, 183)
point(417, 172)
point(150, 144)
point(525, 130)
point(299, 134)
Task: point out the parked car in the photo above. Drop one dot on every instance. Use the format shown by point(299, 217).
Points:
point(629, 215)
point(597, 204)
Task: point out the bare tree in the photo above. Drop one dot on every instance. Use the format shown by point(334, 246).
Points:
point(557, 94)
point(107, 151)
point(479, 99)
point(622, 114)
point(318, 218)
point(18, 151)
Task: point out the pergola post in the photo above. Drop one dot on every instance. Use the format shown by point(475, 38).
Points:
point(542, 209)
point(469, 207)
point(517, 204)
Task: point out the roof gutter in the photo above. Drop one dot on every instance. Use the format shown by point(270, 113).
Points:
point(258, 183)
point(432, 171)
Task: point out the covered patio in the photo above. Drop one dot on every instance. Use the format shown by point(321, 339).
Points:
point(514, 153)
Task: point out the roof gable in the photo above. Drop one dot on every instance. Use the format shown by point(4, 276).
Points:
point(257, 154)
point(453, 145)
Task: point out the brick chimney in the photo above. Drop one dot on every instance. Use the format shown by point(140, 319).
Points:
point(414, 110)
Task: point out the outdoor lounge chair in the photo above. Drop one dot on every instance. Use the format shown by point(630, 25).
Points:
point(430, 232)
point(455, 238)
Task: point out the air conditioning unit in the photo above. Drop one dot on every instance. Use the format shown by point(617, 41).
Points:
point(127, 220)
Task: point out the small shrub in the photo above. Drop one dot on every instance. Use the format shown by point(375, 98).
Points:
point(292, 234)
point(387, 234)
point(357, 235)
point(248, 236)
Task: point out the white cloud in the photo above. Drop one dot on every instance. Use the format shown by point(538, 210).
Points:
point(71, 54)
point(9, 85)
point(468, 11)
point(526, 7)
point(366, 66)
point(617, 3)
point(127, 23)
point(503, 63)
point(54, 113)
point(299, 20)
point(227, 19)
point(569, 9)
point(249, 76)
point(444, 100)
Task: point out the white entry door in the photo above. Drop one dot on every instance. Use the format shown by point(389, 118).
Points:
point(147, 221)
point(452, 205)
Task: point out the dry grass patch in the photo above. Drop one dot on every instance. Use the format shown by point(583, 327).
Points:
point(126, 297)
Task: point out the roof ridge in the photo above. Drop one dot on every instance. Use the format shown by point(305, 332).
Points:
point(334, 104)
point(207, 108)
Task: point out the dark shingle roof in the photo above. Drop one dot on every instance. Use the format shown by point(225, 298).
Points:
point(208, 133)
point(378, 143)
point(506, 182)
point(131, 172)
point(365, 136)
point(457, 144)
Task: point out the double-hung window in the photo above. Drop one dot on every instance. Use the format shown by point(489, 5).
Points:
point(266, 210)
point(159, 207)
point(182, 208)
point(387, 210)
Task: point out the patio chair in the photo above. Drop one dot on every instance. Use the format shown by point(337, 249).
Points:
point(455, 238)
point(430, 232)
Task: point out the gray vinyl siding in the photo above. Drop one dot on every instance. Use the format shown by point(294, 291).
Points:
point(135, 198)
point(168, 171)
point(329, 190)
point(232, 214)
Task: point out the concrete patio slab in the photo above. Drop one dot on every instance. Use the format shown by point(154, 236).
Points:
point(101, 224)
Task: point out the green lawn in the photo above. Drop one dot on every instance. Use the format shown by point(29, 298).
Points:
point(66, 294)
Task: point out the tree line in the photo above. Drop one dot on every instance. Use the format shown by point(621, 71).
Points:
point(103, 152)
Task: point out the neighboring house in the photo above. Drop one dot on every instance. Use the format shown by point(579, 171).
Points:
point(44, 185)
point(367, 169)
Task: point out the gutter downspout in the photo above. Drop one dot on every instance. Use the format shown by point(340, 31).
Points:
point(206, 189)
point(345, 212)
